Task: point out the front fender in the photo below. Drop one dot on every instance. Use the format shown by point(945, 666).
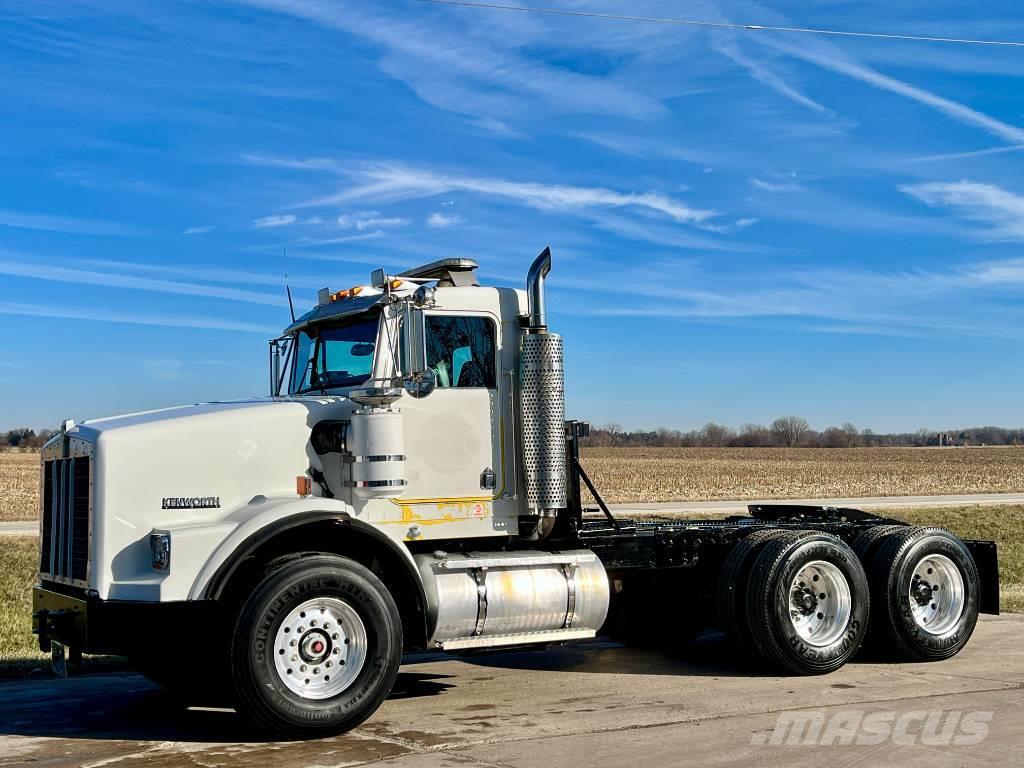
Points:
point(277, 517)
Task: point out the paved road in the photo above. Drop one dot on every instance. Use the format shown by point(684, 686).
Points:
point(729, 507)
point(595, 705)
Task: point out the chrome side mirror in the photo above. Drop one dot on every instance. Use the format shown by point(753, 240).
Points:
point(414, 333)
point(420, 384)
point(417, 378)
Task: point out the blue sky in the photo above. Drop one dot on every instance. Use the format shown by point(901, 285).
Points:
point(744, 224)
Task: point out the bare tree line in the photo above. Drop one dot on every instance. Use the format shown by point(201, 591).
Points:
point(796, 432)
point(784, 432)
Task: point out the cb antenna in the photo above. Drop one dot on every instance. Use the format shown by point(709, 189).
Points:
point(288, 288)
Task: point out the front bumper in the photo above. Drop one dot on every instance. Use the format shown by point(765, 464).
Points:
point(90, 625)
point(61, 617)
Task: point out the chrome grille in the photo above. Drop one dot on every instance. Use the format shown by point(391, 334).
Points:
point(64, 534)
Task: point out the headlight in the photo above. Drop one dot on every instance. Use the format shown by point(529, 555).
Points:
point(160, 546)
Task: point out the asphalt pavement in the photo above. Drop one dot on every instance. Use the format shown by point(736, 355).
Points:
point(598, 705)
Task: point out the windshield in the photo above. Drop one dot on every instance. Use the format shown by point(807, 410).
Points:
point(330, 357)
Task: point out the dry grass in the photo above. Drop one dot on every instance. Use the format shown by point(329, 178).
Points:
point(625, 475)
point(19, 486)
point(19, 652)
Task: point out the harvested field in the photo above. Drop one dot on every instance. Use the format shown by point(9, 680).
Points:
point(636, 475)
point(626, 475)
point(19, 485)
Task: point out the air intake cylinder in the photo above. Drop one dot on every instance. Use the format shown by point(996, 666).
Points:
point(543, 416)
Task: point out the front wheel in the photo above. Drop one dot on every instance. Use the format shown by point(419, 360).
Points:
point(317, 647)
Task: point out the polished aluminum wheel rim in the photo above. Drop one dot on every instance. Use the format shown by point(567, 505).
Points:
point(320, 648)
point(936, 594)
point(820, 603)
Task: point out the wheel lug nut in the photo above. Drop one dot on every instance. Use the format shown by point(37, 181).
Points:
point(292, 643)
point(312, 622)
point(302, 668)
point(316, 670)
point(335, 636)
point(329, 664)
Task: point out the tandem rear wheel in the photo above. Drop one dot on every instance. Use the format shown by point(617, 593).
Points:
point(925, 593)
point(800, 599)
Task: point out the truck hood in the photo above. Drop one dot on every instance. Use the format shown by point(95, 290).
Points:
point(255, 408)
point(196, 465)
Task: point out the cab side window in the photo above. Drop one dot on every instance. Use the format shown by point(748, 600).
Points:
point(460, 350)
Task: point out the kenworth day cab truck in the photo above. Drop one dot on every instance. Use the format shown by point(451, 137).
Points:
point(411, 483)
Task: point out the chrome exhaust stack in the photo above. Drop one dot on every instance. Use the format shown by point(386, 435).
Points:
point(542, 410)
point(535, 291)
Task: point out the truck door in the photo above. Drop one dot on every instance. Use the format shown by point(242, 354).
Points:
point(454, 436)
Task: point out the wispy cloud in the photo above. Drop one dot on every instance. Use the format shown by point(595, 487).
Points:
point(766, 77)
point(438, 220)
point(198, 230)
point(967, 155)
point(999, 209)
point(47, 223)
point(395, 182)
point(907, 303)
point(470, 65)
point(324, 164)
point(775, 186)
point(135, 318)
point(633, 146)
point(29, 267)
point(497, 128)
point(363, 220)
point(834, 61)
point(276, 220)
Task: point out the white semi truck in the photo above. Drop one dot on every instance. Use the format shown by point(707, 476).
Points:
point(411, 483)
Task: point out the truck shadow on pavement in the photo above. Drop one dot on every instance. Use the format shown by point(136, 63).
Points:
point(710, 655)
point(126, 706)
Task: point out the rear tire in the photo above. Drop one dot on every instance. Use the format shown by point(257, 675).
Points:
point(865, 544)
point(313, 618)
point(925, 590)
point(732, 586)
point(807, 602)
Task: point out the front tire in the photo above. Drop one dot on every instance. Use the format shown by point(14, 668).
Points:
point(316, 647)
